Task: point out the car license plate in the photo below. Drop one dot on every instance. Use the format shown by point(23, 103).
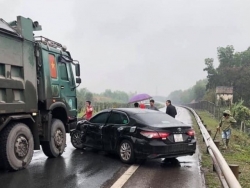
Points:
point(178, 138)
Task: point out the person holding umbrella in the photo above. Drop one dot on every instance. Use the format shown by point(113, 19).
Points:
point(142, 105)
point(139, 98)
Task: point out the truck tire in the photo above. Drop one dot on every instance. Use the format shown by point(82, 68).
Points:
point(16, 147)
point(55, 147)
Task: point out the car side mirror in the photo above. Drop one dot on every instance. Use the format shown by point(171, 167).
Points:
point(77, 69)
point(78, 80)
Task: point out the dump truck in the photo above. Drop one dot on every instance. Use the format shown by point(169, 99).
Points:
point(38, 104)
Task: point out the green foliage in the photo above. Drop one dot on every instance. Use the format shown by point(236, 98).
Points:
point(175, 96)
point(233, 70)
point(108, 96)
point(241, 112)
point(199, 89)
point(117, 96)
point(238, 152)
point(210, 95)
point(196, 93)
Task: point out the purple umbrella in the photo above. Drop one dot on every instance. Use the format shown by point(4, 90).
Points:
point(139, 97)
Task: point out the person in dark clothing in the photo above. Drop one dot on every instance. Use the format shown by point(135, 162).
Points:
point(136, 105)
point(152, 105)
point(171, 110)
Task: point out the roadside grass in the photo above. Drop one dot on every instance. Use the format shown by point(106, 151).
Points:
point(238, 152)
point(211, 179)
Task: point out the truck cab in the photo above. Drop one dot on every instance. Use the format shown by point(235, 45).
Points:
point(38, 104)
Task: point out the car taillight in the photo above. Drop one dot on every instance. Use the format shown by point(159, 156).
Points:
point(164, 135)
point(150, 134)
point(191, 132)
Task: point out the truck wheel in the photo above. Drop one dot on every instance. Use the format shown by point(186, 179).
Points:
point(55, 147)
point(16, 146)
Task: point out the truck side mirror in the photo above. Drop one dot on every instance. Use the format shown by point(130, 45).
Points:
point(77, 67)
point(78, 80)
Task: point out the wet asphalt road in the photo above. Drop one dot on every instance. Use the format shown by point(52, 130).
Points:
point(77, 168)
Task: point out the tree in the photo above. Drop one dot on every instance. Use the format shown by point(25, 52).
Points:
point(241, 114)
point(175, 97)
point(233, 70)
point(200, 89)
point(212, 74)
point(226, 56)
point(89, 96)
point(82, 96)
point(196, 93)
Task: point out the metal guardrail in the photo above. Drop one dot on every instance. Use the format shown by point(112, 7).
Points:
point(223, 170)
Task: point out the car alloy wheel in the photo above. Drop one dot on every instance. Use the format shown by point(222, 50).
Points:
point(126, 151)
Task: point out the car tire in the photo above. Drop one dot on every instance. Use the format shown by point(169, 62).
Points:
point(126, 152)
point(55, 147)
point(16, 147)
point(76, 140)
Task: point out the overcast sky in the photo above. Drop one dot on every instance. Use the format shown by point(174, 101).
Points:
point(148, 46)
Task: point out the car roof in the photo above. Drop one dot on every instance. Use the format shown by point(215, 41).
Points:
point(133, 110)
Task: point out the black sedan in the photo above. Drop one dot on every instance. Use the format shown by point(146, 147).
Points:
point(135, 134)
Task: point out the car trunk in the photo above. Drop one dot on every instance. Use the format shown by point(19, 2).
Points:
point(178, 133)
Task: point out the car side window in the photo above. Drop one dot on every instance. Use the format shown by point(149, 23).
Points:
point(100, 118)
point(118, 118)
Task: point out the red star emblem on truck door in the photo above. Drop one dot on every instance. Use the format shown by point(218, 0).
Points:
point(52, 63)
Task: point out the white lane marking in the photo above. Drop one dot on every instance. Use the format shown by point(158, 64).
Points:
point(124, 178)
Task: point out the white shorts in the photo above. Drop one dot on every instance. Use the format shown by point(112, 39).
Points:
point(226, 134)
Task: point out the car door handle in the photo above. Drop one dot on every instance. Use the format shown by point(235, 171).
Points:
point(62, 87)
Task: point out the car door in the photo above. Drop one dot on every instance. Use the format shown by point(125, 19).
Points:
point(94, 130)
point(111, 131)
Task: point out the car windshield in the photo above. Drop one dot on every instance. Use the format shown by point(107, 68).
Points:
point(156, 119)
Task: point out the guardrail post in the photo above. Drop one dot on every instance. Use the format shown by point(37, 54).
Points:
point(217, 143)
point(214, 170)
point(235, 170)
point(209, 132)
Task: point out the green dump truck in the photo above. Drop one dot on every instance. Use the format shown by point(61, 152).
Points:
point(38, 104)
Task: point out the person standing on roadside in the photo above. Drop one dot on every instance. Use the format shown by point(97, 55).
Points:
point(152, 105)
point(88, 111)
point(142, 105)
point(225, 126)
point(171, 110)
point(136, 105)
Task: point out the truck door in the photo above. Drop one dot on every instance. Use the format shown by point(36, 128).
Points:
point(66, 85)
